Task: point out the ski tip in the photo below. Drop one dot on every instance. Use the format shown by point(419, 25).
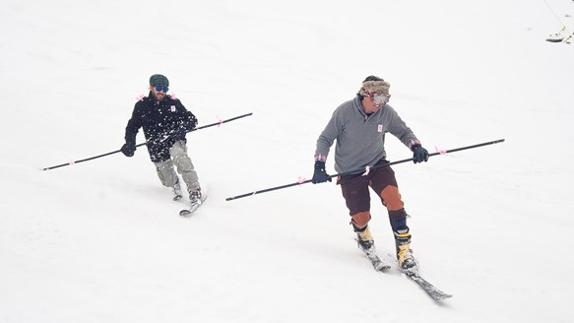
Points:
point(441, 298)
point(185, 212)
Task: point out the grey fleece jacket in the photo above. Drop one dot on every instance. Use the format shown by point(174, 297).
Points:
point(361, 138)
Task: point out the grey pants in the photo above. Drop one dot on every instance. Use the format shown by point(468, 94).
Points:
point(182, 162)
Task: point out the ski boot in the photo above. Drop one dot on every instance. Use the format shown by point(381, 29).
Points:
point(195, 197)
point(407, 262)
point(177, 191)
point(365, 240)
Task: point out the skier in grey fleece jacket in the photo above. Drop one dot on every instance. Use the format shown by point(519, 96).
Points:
point(359, 126)
point(361, 136)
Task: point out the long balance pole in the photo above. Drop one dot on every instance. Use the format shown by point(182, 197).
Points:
point(360, 171)
point(117, 151)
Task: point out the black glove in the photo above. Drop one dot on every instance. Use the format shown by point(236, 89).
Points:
point(180, 133)
point(419, 154)
point(192, 125)
point(320, 175)
point(128, 149)
point(189, 124)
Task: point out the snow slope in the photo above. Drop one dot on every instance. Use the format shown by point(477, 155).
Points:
point(102, 242)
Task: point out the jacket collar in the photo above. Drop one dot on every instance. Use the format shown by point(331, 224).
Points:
point(152, 99)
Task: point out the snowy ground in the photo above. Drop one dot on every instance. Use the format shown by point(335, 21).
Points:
point(102, 242)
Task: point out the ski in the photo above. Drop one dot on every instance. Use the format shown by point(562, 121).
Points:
point(436, 294)
point(563, 36)
point(375, 260)
point(189, 211)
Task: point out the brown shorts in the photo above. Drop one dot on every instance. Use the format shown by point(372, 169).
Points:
point(382, 181)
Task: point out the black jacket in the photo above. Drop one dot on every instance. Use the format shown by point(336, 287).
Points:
point(164, 123)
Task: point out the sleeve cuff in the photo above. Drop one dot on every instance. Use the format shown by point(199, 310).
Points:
point(320, 157)
point(414, 144)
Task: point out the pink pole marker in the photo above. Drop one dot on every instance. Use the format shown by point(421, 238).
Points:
point(440, 151)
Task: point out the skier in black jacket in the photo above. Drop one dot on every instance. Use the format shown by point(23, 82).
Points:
point(165, 122)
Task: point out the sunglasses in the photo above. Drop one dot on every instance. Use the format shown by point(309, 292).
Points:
point(162, 89)
point(380, 99)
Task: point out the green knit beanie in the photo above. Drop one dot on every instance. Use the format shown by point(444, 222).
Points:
point(158, 80)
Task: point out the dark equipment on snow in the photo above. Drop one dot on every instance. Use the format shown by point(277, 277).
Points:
point(117, 151)
point(362, 171)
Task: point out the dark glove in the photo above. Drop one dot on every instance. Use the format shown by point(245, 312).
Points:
point(180, 133)
point(128, 149)
point(320, 175)
point(190, 123)
point(419, 154)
